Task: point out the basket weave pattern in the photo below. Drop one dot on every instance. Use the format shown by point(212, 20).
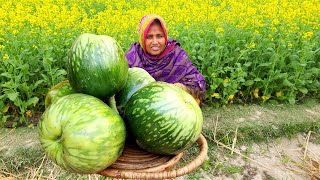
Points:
point(136, 163)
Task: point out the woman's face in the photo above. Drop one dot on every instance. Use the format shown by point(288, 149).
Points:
point(155, 41)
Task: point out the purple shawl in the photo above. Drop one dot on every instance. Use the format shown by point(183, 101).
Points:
point(173, 67)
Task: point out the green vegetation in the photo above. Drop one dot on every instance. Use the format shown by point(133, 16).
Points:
point(249, 52)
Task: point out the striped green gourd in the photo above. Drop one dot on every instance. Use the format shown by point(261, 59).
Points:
point(163, 118)
point(57, 91)
point(81, 134)
point(137, 78)
point(97, 66)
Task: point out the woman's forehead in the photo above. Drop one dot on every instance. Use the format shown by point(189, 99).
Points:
point(154, 27)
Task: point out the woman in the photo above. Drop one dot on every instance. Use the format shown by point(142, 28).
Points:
point(164, 59)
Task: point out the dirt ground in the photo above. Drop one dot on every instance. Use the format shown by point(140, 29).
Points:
point(283, 158)
point(297, 158)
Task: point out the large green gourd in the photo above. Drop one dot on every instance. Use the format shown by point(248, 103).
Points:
point(81, 133)
point(97, 66)
point(137, 78)
point(163, 118)
point(57, 91)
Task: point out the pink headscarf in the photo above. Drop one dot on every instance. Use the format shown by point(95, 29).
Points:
point(144, 26)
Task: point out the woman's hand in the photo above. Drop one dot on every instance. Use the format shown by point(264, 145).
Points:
point(182, 86)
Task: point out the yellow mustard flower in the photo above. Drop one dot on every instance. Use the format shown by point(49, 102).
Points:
point(120, 18)
point(307, 35)
point(219, 30)
point(279, 93)
point(275, 22)
point(252, 45)
point(6, 56)
point(215, 95)
point(29, 113)
point(230, 97)
point(265, 98)
point(256, 93)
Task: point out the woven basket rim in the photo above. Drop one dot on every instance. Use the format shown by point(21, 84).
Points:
point(180, 171)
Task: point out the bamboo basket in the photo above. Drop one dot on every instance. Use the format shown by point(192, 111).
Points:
point(135, 163)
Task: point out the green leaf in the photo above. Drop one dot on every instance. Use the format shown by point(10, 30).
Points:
point(24, 67)
point(303, 90)
point(200, 58)
point(4, 118)
point(292, 100)
point(5, 108)
point(257, 79)
point(6, 74)
point(61, 72)
point(32, 101)
point(248, 82)
point(270, 49)
point(12, 95)
point(286, 82)
point(240, 79)
point(211, 70)
point(264, 65)
point(303, 64)
point(280, 76)
point(247, 64)
point(14, 124)
point(294, 57)
point(1, 105)
point(38, 83)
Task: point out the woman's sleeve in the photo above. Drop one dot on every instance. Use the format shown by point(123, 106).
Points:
point(196, 85)
point(131, 55)
point(194, 80)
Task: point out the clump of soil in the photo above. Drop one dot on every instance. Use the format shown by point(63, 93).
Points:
point(295, 158)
